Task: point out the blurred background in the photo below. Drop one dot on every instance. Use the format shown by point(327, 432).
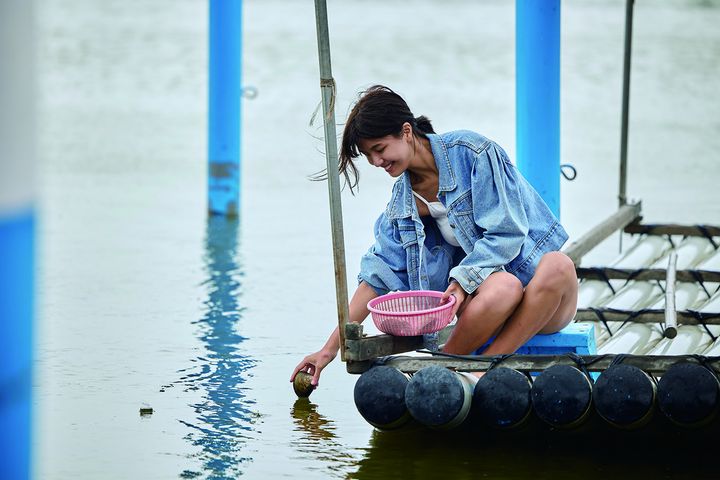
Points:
point(142, 302)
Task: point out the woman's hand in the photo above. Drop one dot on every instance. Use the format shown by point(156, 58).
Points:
point(456, 291)
point(314, 364)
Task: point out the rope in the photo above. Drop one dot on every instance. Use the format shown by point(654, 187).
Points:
point(669, 237)
point(380, 361)
point(498, 359)
point(636, 313)
point(331, 108)
point(601, 316)
point(573, 171)
point(699, 279)
point(330, 82)
point(581, 364)
point(700, 317)
point(474, 358)
point(494, 360)
point(602, 273)
point(619, 358)
point(707, 235)
point(705, 362)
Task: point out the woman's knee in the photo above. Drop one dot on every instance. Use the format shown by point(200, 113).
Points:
point(555, 272)
point(498, 296)
point(503, 287)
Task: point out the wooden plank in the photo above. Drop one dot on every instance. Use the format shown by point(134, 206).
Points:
point(369, 347)
point(670, 330)
point(687, 276)
point(359, 347)
point(643, 316)
point(533, 363)
point(380, 346)
point(674, 229)
point(624, 215)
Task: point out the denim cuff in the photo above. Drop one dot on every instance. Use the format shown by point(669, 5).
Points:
point(378, 290)
point(470, 278)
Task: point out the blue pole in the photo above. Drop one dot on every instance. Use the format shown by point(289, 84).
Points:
point(17, 232)
point(224, 102)
point(16, 318)
point(537, 57)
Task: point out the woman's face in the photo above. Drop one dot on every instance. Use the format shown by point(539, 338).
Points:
point(391, 153)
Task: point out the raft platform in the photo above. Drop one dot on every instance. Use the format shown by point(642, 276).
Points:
point(644, 347)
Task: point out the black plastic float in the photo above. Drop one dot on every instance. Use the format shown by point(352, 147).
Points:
point(562, 396)
point(689, 394)
point(438, 397)
point(380, 397)
point(624, 396)
point(502, 398)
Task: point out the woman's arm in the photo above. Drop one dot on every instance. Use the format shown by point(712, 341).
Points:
point(316, 362)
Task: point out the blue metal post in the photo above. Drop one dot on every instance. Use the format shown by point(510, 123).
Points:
point(17, 225)
point(537, 57)
point(224, 102)
point(16, 318)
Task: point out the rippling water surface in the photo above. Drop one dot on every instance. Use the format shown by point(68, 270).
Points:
point(144, 302)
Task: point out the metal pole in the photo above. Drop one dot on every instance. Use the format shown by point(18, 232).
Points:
point(224, 103)
point(17, 233)
point(622, 196)
point(537, 57)
point(327, 87)
point(671, 325)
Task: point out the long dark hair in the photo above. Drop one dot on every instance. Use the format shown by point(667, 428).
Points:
point(377, 113)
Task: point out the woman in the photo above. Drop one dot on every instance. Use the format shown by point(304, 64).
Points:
point(461, 219)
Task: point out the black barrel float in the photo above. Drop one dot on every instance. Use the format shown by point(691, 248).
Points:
point(502, 398)
point(562, 396)
point(624, 396)
point(689, 394)
point(438, 397)
point(380, 397)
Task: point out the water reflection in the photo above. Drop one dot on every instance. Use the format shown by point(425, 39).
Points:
point(467, 453)
point(318, 440)
point(416, 452)
point(224, 419)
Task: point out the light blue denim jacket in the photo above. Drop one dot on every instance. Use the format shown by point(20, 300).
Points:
point(499, 220)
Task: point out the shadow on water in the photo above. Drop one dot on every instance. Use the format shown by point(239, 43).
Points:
point(224, 418)
point(416, 452)
point(318, 439)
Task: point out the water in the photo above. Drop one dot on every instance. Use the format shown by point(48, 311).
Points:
point(143, 302)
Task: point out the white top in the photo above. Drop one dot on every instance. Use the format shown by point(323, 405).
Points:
point(439, 213)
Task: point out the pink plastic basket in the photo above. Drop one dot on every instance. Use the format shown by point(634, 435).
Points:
point(406, 314)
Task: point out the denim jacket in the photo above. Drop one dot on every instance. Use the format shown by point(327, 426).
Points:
point(499, 220)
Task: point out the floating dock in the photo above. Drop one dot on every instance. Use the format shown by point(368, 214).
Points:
point(653, 316)
point(645, 346)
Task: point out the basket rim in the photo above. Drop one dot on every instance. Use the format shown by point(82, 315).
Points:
point(409, 293)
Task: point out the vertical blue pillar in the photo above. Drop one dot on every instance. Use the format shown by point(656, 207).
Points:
point(17, 139)
point(224, 101)
point(537, 57)
point(16, 318)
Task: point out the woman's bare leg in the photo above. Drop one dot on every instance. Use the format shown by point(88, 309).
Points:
point(548, 304)
point(484, 313)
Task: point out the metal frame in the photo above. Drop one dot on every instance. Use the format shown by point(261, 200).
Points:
point(622, 196)
point(685, 317)
point(646, 274)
